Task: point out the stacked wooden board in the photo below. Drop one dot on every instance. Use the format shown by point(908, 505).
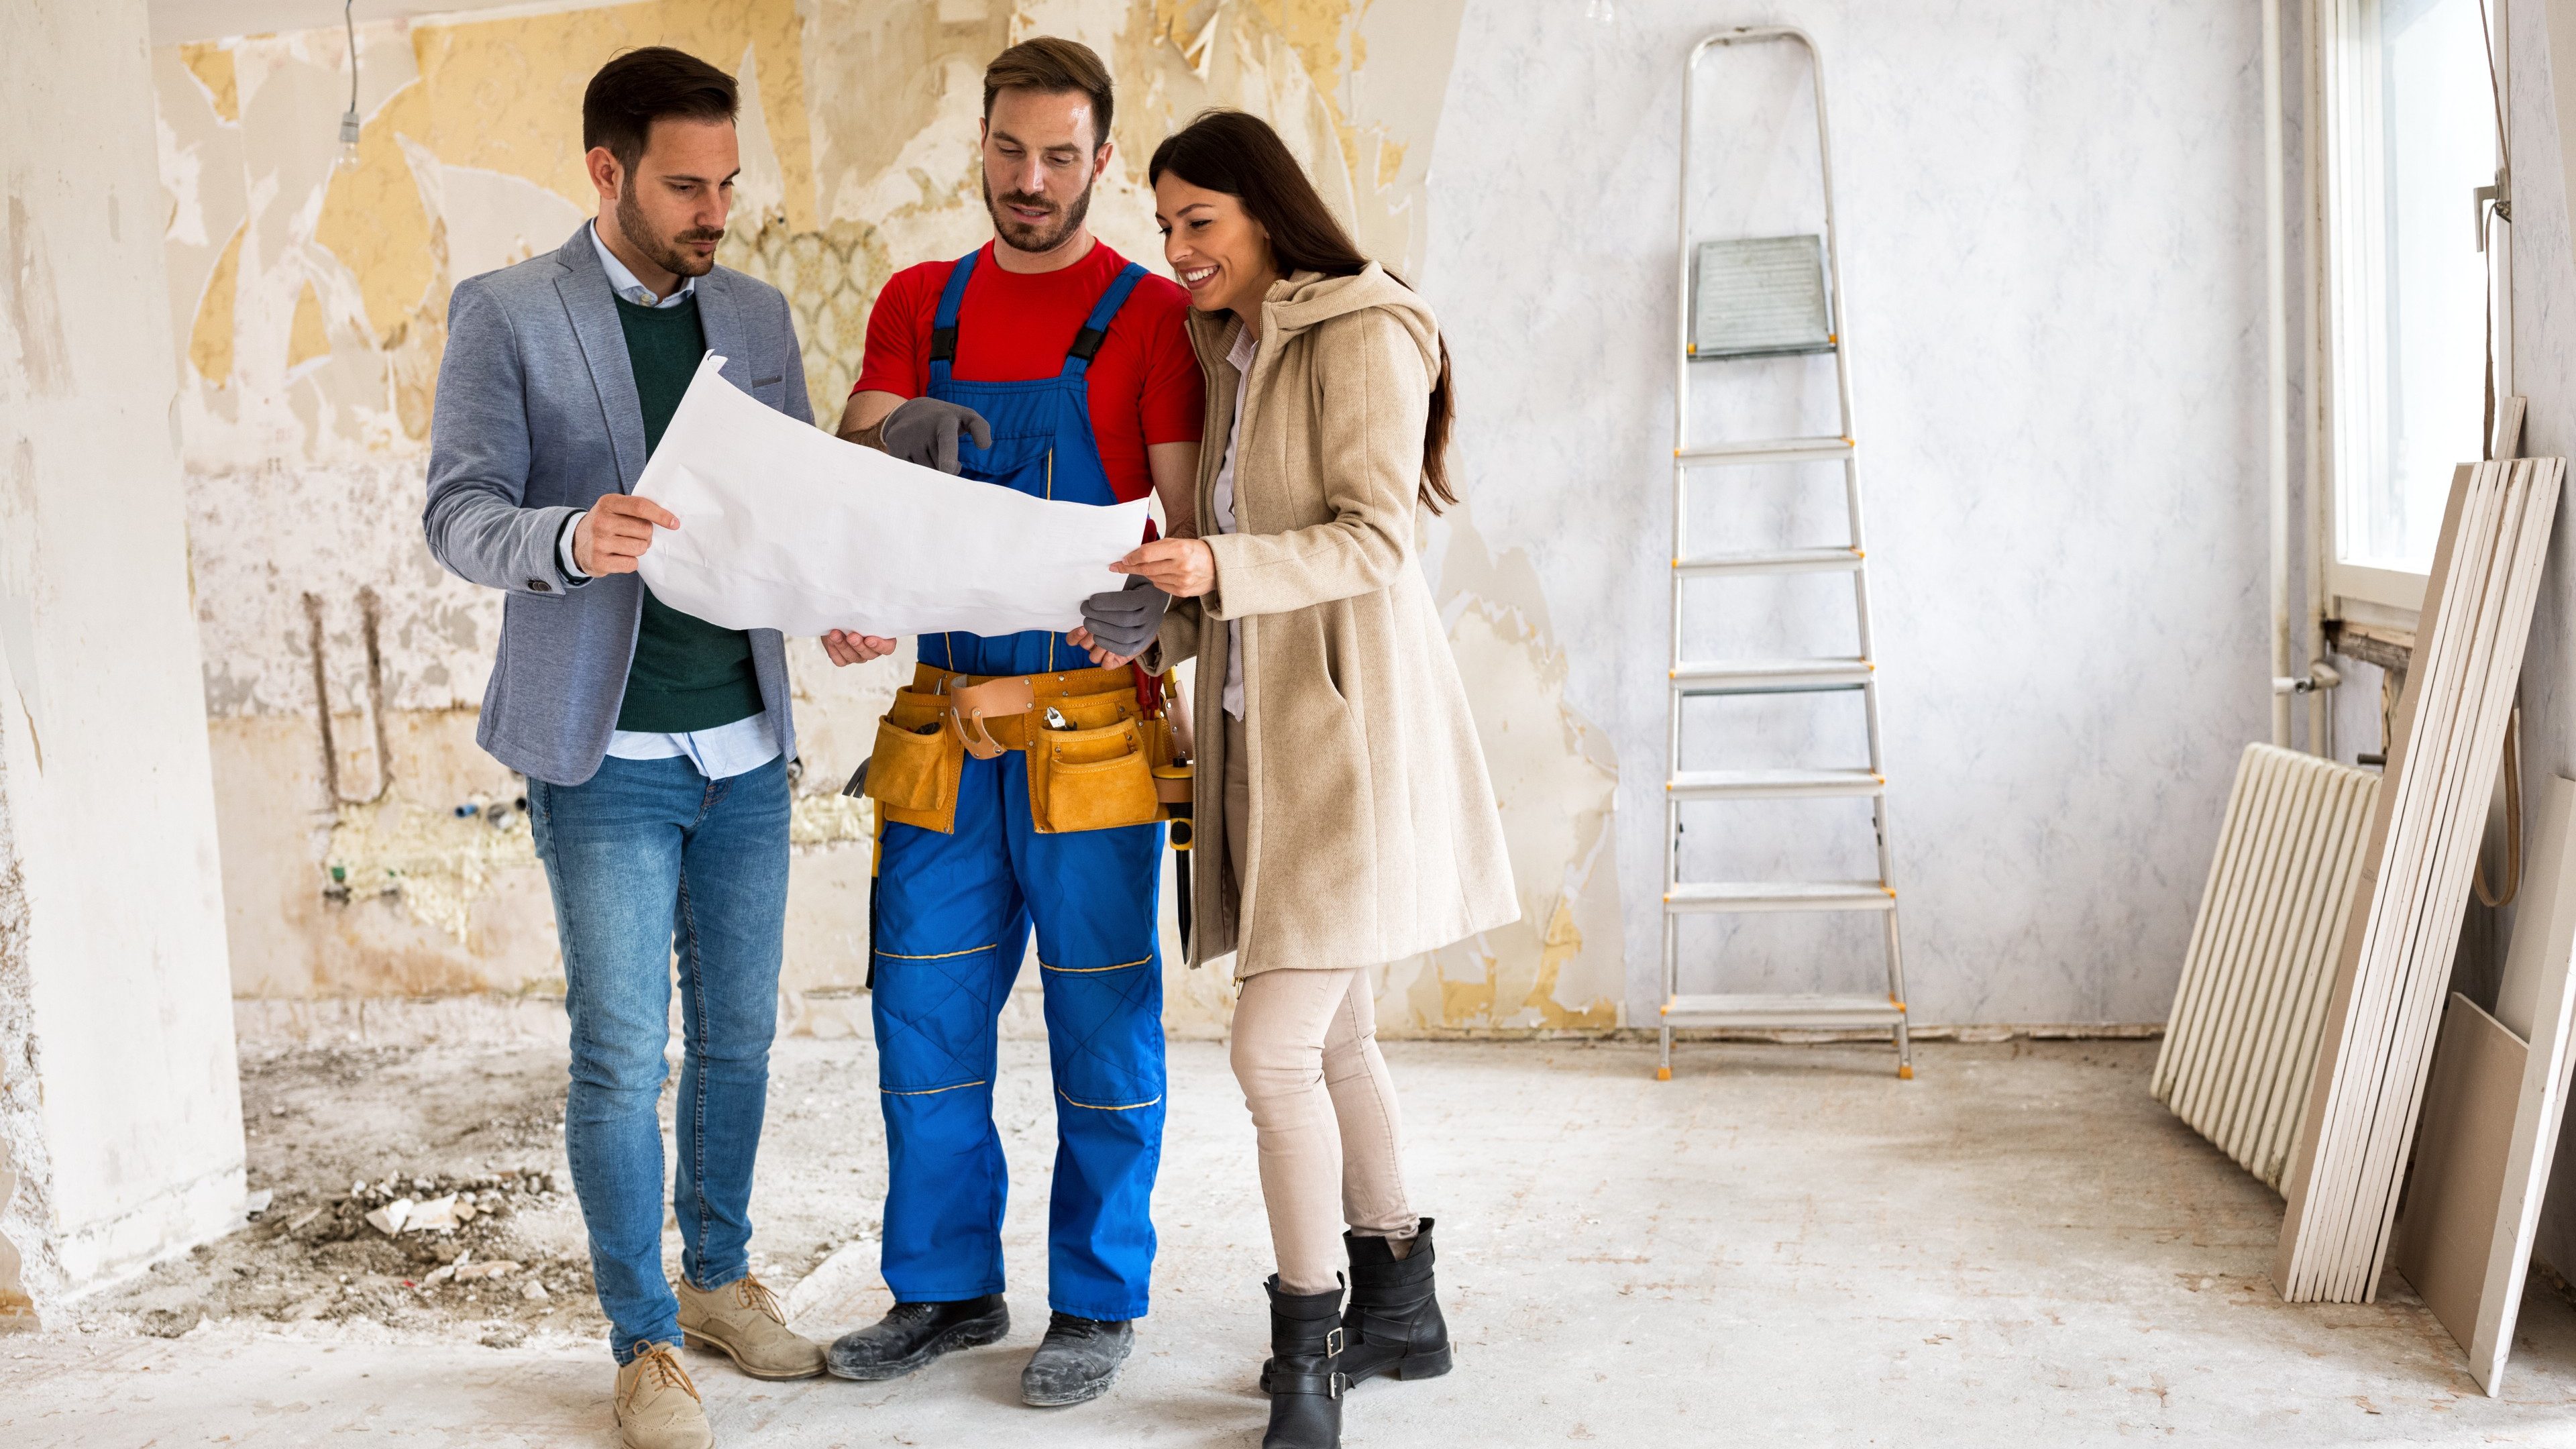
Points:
point(2492, 1109)
point(2394, 969)
point(2242, 1040)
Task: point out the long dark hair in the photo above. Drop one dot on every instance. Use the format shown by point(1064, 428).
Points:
point(1238, 154)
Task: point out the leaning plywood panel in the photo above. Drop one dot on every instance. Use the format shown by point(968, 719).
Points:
point(2392, 973)
point(2465, 1238)
point(2448, 1223)
point(2243, 1031)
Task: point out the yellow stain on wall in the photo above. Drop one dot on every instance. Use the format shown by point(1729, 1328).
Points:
point(506, 94)
point(210, 341)
point(373, 221)
point(212, 64)
point(1314, 30)
point(308, 338)
point(1390, 161)
point(1563, 944)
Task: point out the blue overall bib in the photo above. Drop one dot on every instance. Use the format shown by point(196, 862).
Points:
point(953, 915)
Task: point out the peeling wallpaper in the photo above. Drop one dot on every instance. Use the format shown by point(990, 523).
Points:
point(343, 667)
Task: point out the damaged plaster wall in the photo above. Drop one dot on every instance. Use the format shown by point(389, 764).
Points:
point(27, 1264)
point(120, 1112)
point(344, 668)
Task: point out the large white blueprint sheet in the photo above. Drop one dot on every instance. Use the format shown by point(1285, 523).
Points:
point(783, 526)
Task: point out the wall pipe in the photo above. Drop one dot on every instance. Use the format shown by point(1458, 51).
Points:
point(2321, 732)
point(2276, 330)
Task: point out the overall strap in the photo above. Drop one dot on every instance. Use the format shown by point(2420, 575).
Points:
point(1095, 328)
point(943, 324)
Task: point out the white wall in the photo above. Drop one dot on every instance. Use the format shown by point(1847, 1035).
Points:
point(2053, 257)
point(120, 1115)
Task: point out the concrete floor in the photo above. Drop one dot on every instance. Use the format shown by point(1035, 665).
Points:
point(1783, 1245)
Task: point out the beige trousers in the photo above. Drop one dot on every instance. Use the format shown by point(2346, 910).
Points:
point(1323, 1108)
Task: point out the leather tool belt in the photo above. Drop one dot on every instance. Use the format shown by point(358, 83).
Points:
point(1100, 750)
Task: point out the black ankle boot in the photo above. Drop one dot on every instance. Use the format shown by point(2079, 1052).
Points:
point(1393, 1325)
point(1304, 1377)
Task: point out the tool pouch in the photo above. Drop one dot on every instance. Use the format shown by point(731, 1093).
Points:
point(1092, 779)
point(919, 755)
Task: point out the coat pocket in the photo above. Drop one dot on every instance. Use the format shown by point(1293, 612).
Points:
point(914, 770)
point(1094, 779)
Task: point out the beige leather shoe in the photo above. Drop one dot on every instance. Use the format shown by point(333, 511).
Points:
point(657, 1406)
point(745, 1321)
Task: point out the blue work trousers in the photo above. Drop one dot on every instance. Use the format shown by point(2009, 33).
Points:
point(953, 919)
point(646, 856)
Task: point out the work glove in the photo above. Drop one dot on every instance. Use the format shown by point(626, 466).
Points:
point(1124, 621)
point(925, 430)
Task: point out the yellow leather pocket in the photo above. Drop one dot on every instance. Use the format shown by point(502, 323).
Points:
point(914, 770)
point(1094, 779)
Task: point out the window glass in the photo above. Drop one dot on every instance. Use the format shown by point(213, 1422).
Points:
point(2412, 239)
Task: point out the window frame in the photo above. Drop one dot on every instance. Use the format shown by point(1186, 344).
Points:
point(2348, 204)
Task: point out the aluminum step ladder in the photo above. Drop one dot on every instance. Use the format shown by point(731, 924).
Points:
point(1830, 676)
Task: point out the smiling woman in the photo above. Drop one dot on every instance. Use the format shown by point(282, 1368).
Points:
point(1357, 822)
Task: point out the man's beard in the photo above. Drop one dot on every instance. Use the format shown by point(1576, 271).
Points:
point(1035, 239)
point(668, 255)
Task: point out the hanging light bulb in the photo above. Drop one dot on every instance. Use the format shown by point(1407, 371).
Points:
point(348, 158)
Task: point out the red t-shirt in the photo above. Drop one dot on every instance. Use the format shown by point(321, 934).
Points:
point(1144, 384)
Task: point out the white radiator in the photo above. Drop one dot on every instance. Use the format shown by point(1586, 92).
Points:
point(2242, 1041)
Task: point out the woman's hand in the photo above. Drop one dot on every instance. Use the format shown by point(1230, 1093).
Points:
point(1101, 658)
point(849, 647)
point(1184, 568)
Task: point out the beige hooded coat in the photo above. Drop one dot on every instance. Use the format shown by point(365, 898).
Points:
point(1373, 834)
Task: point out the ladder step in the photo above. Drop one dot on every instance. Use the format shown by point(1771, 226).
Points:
point(1741, 897)
point(1767, 450)
point(1787, 561)
point(1775, 784)
point(1771, 676)
point(1783, 1011)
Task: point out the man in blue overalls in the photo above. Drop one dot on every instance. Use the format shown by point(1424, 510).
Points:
point(1012, 780)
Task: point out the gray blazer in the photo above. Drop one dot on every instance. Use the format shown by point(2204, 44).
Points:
point(536, 419)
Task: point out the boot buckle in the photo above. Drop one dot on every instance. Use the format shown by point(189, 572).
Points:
point(1335, 1383)
point(1333, 1344)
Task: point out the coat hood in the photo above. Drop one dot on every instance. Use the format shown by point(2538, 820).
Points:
point(1303, 300)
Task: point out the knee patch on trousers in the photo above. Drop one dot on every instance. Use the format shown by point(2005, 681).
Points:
point(934, 1021)
point(1105, 1034)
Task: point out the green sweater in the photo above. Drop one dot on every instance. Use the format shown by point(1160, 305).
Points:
point(687, 674)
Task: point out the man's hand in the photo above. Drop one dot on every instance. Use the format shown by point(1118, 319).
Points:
point(1101, 657)
point(616, 532)
point(846, 647)
point(1184, 568)
point(925, 431)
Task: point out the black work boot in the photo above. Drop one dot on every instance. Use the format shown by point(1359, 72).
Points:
point(1393, 1325)
point(1078, 1361)
point(912, 1334)
point(1304, 1374)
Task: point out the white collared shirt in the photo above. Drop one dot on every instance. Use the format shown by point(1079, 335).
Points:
point(1246, 348)
point(727, 750)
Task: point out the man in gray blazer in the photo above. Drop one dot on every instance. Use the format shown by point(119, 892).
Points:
point(655, 744)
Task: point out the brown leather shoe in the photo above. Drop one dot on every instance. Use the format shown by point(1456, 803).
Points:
point(657, 1406)
point(746, 1322)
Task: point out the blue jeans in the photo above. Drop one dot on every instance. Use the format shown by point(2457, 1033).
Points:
point(647, 857)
